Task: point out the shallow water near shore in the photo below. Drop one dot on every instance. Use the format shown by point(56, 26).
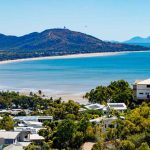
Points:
point(74, 75)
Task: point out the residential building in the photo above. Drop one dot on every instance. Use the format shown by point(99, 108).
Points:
point(32, 130)
point(105, 109)
point(12, 137)
point(117, 106)
point(33, 118)
point(95, 106)
point(106, 122)
point(141, 90)
point(17, 146)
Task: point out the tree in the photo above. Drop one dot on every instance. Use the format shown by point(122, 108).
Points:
point(83, 125)
point(123, 97)
point(98, 146)
point(32, 147)
point(40, 92)
point(7, 123)
point(126, 145)
point(77, 140)
point(72, 107)
point(117, 91)
point(99, 95)
point(64, 134)
point(119, 85)
point(144, 146)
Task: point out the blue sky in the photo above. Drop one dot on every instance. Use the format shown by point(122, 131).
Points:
point(105, 19)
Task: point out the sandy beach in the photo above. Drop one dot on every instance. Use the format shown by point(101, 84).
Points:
point(70, 56)
point(78, 97)
point(63, 57)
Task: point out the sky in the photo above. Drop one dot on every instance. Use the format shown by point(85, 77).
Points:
point(105, 19)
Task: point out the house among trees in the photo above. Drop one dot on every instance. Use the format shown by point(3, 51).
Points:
point(33, 118)
point(141, 90)
point(110, 106)
point(13, 137)
point(117, 106)
point(31, 124)
point(95, 106)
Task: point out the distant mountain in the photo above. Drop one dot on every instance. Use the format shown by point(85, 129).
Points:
point(139, 41)
point(54, 42)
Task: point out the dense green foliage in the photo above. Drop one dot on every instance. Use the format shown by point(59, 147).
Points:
point(6, 123)
point(117, 91)
point(72, 127)
point(68, 133)
point(132, 132)
point(55, 42)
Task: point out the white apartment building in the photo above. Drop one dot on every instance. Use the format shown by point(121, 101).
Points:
point(142, 90)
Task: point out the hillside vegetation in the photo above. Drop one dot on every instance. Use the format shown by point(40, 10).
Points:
point(54, 42)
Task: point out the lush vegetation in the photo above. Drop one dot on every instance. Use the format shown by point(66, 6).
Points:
point(118, 91)
point(131, 133)
point(6, 123)
point(72, 127)
point(54, 42)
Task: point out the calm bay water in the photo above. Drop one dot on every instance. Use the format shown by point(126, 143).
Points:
point(74, 75)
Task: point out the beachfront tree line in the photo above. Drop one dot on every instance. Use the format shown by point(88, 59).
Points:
point(117, 92)
point(71, 127)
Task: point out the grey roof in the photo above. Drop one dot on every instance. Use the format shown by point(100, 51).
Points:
point(117, 106)
point(13, 147)
point(9, 134)
point(36, 137)
point(95, 106)
point(32, 118)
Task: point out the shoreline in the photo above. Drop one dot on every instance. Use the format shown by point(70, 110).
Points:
point(85, 55)
point(65, 57)
point(77, 97)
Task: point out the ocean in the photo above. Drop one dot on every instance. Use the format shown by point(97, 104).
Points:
point(74, 75)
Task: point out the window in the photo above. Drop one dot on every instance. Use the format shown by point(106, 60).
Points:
point(148, 86)
point(141, 93)
point(9, 141)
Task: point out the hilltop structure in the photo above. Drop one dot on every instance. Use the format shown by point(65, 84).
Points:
point(141, 90)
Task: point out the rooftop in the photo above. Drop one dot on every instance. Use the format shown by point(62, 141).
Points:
point(95, 106)
point(18, 146)
point(142, 82)
point(9, 134)
point(13, 147)
point(117, 106)
point(36, 137)
point(33, 118)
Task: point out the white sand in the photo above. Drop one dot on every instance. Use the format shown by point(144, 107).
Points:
point(78, 97)
point(63, 57)
point(70, 56)
point(66, 96)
